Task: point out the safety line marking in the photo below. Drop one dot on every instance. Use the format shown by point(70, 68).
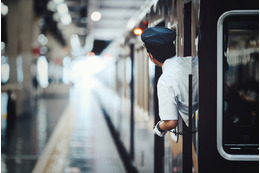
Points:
point(53, 157)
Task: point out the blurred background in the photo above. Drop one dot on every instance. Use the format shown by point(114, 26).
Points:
point(41, 38)
point(50, 51)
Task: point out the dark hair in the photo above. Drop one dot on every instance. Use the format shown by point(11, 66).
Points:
point(162, 52)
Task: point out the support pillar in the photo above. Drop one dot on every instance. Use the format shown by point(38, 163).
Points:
point(19, 36)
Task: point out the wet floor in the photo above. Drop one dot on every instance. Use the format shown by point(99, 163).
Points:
point(90, 145)
point(22, 143)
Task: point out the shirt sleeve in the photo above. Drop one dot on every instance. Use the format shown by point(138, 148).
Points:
point(167, 103)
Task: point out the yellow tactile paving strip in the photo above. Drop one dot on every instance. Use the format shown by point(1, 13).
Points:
point(53, 157)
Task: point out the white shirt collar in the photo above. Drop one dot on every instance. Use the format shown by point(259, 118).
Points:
point(166, 63)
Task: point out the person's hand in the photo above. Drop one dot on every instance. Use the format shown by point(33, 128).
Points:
point(157, 131)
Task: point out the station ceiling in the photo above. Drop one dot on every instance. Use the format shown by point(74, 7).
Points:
point(114, 17)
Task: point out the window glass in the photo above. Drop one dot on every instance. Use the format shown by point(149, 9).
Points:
point(241, 85)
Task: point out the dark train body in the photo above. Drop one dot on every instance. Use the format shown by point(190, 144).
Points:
point(223, 136)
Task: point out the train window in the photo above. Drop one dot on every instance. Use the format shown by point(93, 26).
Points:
point(238, 85)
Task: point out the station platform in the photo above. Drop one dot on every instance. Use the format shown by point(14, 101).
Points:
point(66, 133)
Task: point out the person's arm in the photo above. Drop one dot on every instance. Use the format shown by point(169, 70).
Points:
point(167, 109)
point(168, 124)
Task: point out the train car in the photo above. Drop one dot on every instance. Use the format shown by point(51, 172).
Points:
point(223, 134)
point(229, 120)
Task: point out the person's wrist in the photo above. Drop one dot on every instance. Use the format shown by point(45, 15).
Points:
point(159, 128)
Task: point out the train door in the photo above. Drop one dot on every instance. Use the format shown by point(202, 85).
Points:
point(238, 85)
point(229, 78)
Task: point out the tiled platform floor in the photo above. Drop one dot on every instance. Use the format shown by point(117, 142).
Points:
point(90, 146)
point(22, 144)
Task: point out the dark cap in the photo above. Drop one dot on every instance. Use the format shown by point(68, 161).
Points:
point(159, 42)
point(158, 36)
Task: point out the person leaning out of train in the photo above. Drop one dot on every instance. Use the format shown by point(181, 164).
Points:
point(172, 86)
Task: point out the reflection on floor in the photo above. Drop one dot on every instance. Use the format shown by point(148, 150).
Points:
point(63, 134)
point(22, 143)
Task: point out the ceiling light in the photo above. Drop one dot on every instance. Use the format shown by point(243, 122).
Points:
point(138, 31)
point(96, 16)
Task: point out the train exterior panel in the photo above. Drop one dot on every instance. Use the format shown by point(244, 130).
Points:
point(210, 14)
point(224, 35)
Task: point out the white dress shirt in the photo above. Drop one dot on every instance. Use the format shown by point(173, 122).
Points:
point(173, 88)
